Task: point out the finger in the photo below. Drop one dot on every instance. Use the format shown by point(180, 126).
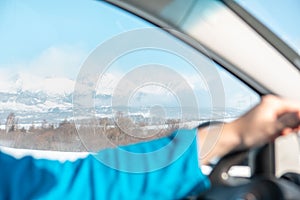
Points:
point(287, 122)
point(287, 131)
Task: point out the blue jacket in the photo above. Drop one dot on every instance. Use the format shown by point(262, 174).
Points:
point(146, 170)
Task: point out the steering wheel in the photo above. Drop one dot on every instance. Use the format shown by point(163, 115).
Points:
point(263, 184)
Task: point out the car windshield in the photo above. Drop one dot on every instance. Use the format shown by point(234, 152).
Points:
point(281, 17)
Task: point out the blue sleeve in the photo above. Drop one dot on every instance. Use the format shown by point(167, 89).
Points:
point(168, 173)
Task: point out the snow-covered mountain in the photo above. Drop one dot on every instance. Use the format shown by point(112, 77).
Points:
point(34, 99)
point(27, 82)
point(31, 97)
point(26, 92)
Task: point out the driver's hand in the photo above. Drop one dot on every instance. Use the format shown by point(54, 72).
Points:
point(272, 117)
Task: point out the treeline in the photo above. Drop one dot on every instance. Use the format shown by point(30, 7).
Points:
point(84, 135)
point(62, 138)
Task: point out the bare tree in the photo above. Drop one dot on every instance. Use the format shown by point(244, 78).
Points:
point(44, 124)
point(10, 123)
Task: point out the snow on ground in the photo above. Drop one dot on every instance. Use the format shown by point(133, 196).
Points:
point(41, 154)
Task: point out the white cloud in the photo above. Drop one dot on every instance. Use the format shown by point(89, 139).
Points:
point(55, 61)
point(34, 83)
point(62, 61)
point(54, 71)
point(139, 89)
point(113, 82)
point(56, 85)
point(5, 83)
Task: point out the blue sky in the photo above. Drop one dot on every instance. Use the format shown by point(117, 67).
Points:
point(28, 28)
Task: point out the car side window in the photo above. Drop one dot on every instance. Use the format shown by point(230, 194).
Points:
point(143, 84)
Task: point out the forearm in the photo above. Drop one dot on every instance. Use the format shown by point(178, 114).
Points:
point(217, 140)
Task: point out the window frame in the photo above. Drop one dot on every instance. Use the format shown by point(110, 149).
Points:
point(281, 46)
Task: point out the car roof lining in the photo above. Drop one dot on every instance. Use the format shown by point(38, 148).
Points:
point(265, 32)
